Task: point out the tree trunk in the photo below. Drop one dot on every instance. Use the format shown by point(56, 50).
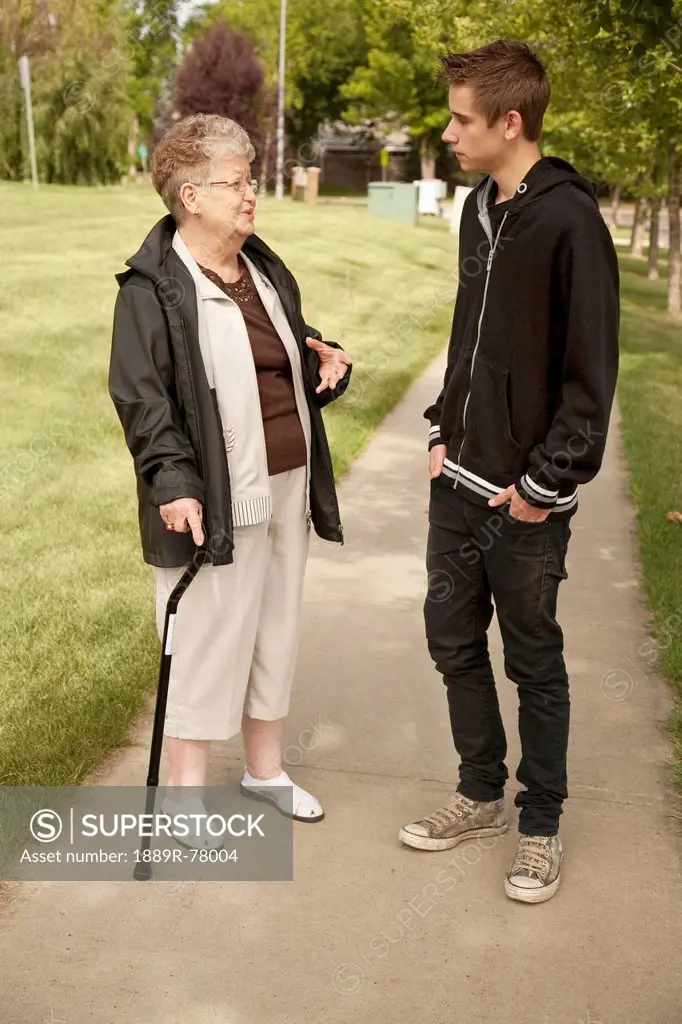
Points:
point(675, 169)
point(615, 202)
point(428, 159)
point(654, 236)
point(638, 227)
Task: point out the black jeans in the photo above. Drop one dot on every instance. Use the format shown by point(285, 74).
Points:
point(475, 556)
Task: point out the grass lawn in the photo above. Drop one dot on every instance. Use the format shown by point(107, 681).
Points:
point(650, 396)
point(78, 646)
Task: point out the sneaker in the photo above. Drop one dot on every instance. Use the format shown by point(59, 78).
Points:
point(460, 818)
point(534, 874)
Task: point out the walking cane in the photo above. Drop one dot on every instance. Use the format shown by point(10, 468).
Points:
point(143, 868)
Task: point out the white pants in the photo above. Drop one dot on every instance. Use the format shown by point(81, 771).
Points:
point(236, 635)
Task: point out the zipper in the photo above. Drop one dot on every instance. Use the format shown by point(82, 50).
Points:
point(200, 438)
point(489, 264)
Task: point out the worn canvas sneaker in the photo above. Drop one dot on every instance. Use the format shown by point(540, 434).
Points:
point(460, 818)
point(534, 874)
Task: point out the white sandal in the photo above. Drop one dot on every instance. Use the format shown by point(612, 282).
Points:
point(201, 840)
point(306, 807)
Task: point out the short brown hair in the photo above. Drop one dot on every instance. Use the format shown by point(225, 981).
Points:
point(185, 151)
point(505, 75)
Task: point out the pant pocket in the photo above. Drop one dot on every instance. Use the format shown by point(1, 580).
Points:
point(567, 537)
point(558, 543)
point(166, 580)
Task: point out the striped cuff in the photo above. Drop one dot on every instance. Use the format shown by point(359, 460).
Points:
point(251, 512)
point(534, 494)
point(434, 436)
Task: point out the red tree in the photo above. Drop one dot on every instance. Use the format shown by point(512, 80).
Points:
point(221, 74)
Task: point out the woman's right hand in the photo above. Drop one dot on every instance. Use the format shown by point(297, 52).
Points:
point(182, 515)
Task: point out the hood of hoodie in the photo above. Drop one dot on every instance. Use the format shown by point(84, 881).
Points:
point(548, 173)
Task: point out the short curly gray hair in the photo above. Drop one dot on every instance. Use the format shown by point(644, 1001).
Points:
point(185, 151)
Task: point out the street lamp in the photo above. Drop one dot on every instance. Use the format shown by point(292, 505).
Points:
point(279, 189)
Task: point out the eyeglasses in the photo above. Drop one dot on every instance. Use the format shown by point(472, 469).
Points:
point(237, 186)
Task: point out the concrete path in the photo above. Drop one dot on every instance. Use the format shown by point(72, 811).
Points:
point(370, 931)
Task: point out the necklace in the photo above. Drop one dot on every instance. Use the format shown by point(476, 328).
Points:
point(241, 290)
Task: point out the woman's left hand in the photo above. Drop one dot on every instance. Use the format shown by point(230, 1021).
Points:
point(333, 364)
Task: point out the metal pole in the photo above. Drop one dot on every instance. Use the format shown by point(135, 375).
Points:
point(279, 190)
point(25, 79)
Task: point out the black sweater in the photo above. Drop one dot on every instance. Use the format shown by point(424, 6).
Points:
point(533, 356)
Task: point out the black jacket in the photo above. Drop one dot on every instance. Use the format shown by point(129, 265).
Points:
point(533, 356)
point(170, 415)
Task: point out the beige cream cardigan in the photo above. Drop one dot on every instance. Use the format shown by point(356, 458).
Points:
point(228, 360)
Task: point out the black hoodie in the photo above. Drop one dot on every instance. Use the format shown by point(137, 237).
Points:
point(533, 356)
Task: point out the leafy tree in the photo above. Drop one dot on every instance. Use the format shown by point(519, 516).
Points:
point(154, 41)
point(83, 124)
point(616, 108)
point(647, 76)
point(324, 47)
point(82, 94)
point(398, 80)
point(25, 30)
point(644, 22)
point(81, 81)
point(11, 113)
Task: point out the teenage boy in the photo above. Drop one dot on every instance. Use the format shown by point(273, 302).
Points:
point(520, 423)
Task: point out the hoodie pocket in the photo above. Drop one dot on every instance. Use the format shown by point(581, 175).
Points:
point(488, 436)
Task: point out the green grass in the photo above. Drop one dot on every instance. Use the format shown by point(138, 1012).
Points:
point(650, 396)
point(78, 646)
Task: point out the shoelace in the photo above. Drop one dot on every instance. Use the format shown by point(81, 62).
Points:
point(447, 815)
point(533, 855)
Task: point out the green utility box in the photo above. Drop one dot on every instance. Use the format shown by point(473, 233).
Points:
point(394, 200)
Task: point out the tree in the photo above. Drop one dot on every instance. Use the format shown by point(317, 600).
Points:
point(657, 193)
point(323, 50)
point(644, 22)
point(398, 81)
point(616, 106)
point(221, 74)
point(11, 113)
point(83, 127)
point(154, 41)
point(649, 131)
point(81, 82)
point(649, 72)
point(25, 30)
point(675, 184)
point(82, 95)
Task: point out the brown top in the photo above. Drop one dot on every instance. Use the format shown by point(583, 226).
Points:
point(284, 437)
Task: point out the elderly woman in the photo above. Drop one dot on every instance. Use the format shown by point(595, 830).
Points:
point(219, 385)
